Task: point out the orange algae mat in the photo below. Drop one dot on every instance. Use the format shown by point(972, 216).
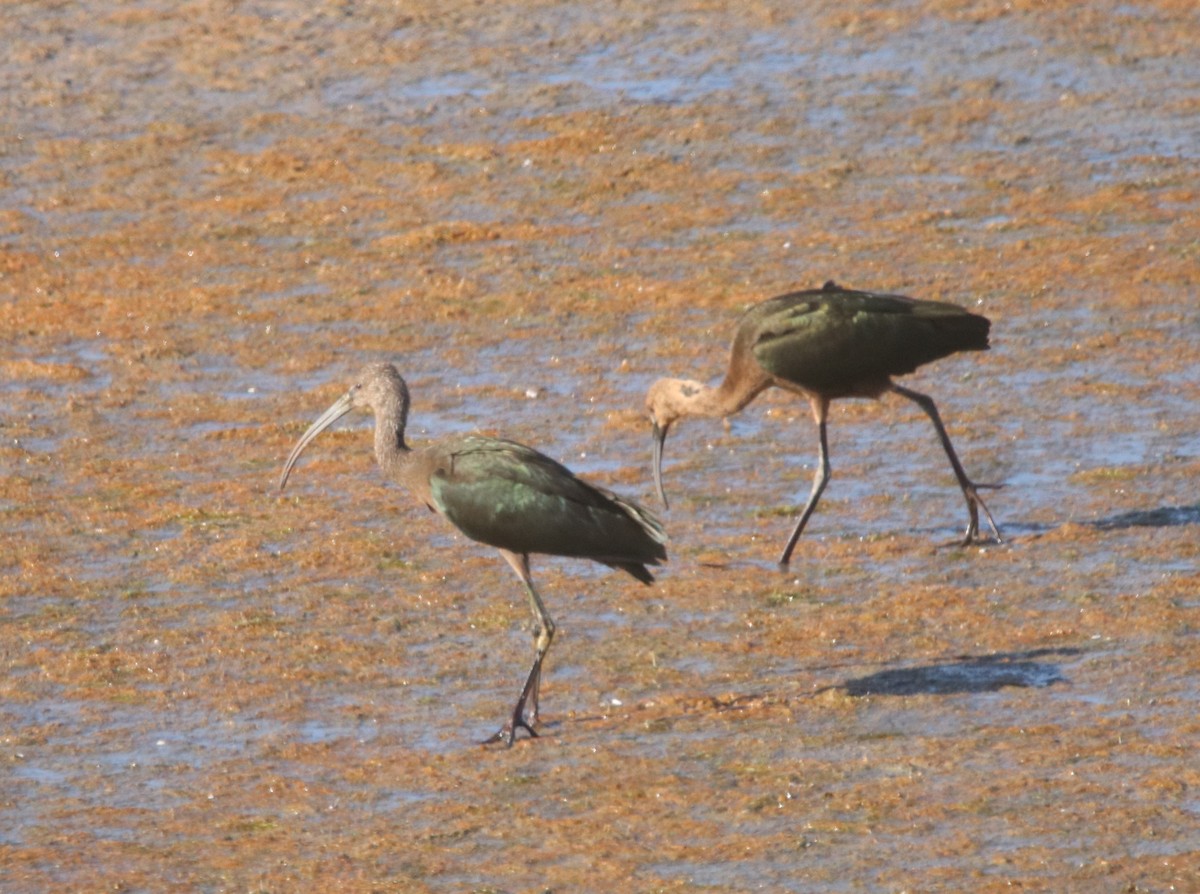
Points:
point(215, 214)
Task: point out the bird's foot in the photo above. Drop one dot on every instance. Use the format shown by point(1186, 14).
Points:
point(508, 733)
point(524, 715)
point(974, 504)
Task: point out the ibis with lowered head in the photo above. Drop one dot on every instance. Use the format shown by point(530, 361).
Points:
point(825, 344)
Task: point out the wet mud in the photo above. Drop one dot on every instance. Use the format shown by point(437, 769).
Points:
point(215, 213)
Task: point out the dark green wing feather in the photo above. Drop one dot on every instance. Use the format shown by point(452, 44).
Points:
point(511, 496)
point(829, 340)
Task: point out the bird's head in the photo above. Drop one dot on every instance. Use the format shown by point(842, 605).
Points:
point(377, 387)
point(665, 402)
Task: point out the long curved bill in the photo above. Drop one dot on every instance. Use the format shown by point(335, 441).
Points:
point(340, 408)
point(660, 438)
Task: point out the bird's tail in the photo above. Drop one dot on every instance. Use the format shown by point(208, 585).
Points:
point(649, 548)
point(634, 569)
point(647, 521)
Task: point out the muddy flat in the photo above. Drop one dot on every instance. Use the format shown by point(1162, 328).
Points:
point(213, 214)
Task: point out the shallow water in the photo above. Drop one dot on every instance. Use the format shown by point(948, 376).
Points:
point(216, 215)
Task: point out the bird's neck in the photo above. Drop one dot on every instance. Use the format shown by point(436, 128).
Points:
point(391, 451)
point(701, 400)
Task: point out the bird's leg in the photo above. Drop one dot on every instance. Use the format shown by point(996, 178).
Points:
point(525, 712)
point(969, 488)
point(820, 410)
point(508, 733)
point(543, 633)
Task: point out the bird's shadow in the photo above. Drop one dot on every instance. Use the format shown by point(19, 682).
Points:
point(966, 674)
point(958, 674)
point(1161, 517)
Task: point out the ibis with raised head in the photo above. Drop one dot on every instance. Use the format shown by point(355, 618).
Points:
point(505, 495)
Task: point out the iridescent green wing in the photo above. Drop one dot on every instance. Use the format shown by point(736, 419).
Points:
point(827, 340)
point(511, 496)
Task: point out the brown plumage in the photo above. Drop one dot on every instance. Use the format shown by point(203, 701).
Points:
point(505, 495)
point(825, 344)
